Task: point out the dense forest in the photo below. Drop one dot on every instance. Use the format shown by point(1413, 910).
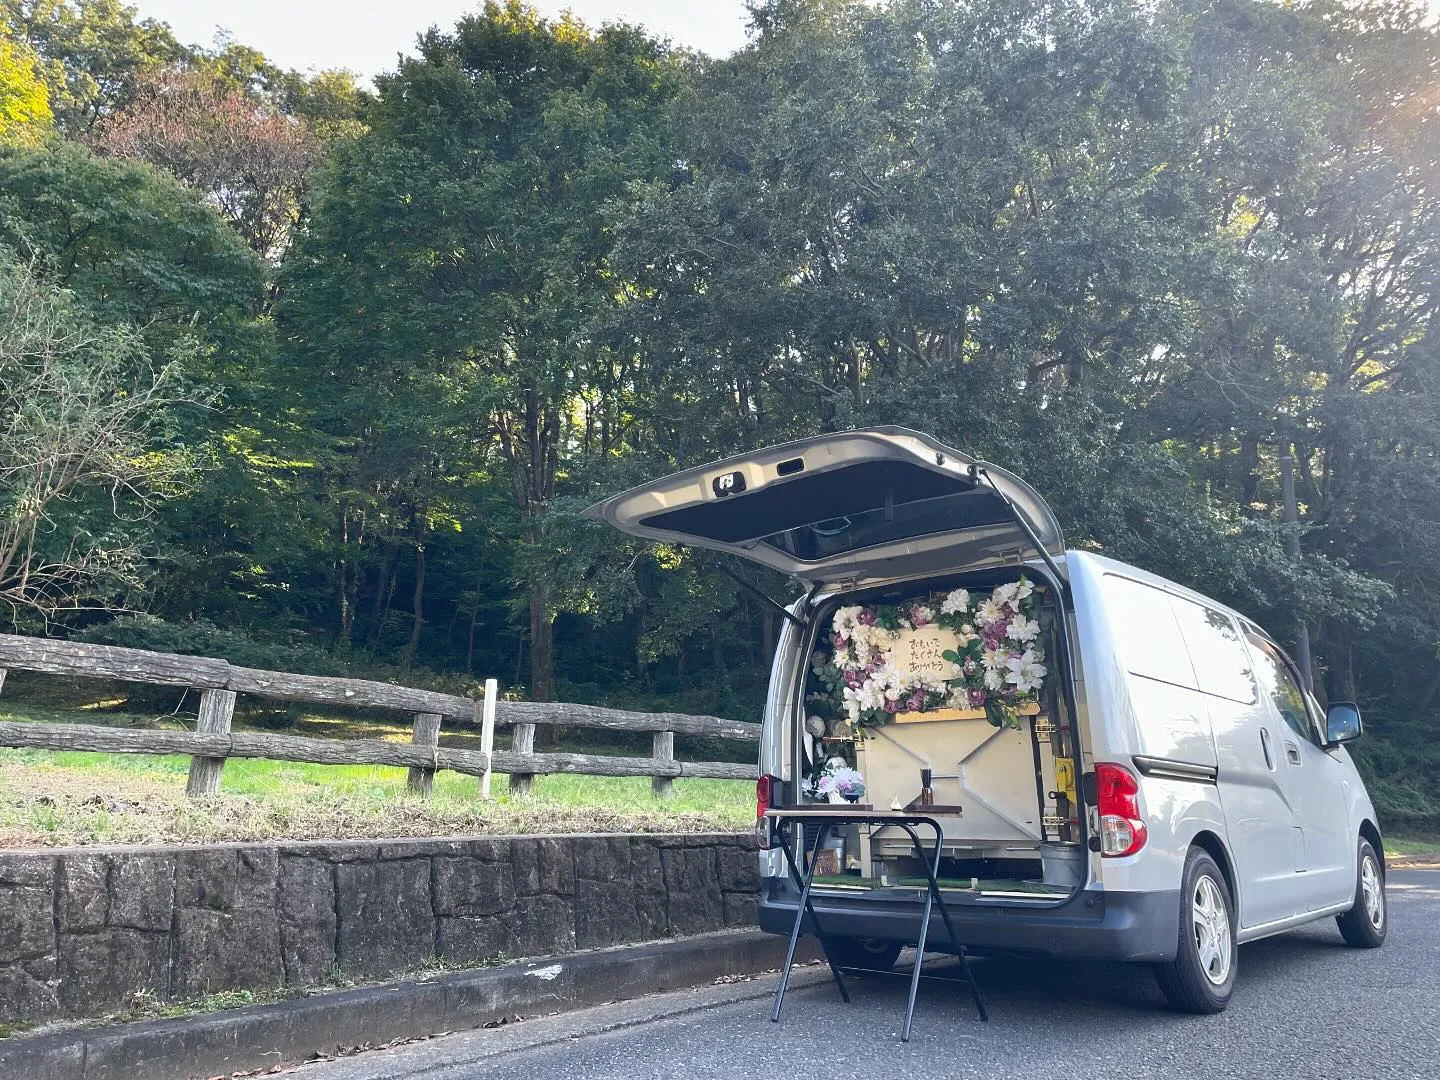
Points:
point(316, 375)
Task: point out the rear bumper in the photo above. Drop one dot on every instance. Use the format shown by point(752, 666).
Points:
point(1096, 924)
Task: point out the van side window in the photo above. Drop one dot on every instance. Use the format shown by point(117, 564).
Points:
point(1280, 686)
point(1149, 637)
point(1222, 664)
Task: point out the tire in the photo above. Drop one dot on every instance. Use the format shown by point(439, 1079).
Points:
point(1201, 978)
point(862, 954)
point(1364, 926)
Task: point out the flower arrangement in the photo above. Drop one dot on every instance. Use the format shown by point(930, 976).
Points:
point(834, 778)
point(998, 663)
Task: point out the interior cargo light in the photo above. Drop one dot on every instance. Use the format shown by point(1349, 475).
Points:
point(1122, 831)
point(763, 787)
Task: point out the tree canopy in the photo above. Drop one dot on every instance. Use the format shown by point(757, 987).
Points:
point(1143, 255)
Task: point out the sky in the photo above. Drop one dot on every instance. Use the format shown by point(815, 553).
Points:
point(366, 35)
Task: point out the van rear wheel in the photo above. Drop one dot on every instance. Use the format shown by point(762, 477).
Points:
point(1364, 925)
point(862, 954)
point(1201, 978)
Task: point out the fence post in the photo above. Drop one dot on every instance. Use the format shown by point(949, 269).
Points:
point(424, 732)
point(487, 732)
point(2, 678)
point(522, 741)
point(663, 749)
point(217, 709)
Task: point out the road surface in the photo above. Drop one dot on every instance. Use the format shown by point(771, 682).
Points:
point(1306, 1006)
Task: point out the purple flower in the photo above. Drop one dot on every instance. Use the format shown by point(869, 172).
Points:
point(969, 666)
point(916, 703)
point(891, 705)
point(853, 679)
point(917, 616)
point(976, 694)
point(838, 642)
point(866, 617)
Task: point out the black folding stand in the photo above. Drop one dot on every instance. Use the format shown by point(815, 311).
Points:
point(841, 816)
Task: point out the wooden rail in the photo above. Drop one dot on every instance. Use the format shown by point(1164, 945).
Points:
point(220, 682)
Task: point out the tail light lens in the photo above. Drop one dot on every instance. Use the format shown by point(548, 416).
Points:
point(1122, 831)
point(763, 788)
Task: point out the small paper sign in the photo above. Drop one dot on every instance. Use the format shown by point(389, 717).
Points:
point(921, 652)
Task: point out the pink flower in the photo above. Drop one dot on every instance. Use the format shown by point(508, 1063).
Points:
point(838, 642)
point(852, 679)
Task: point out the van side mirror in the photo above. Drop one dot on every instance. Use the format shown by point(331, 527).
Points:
point(1342, 723)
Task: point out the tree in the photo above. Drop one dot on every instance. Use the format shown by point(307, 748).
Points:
point(458, 250)
point(85, 454)
point(92, 51)
point(24, 100)
point(251, 161)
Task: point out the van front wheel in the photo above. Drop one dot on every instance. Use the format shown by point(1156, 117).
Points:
point(862, 954)
point(1202, 976)
point(1364, 925)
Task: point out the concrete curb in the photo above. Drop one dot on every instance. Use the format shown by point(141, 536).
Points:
point(292, 1031)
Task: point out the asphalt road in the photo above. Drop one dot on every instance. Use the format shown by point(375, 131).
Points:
point(1306, 1006)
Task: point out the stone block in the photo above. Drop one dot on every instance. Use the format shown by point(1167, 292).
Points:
point(738, 869)
point(542, 865)
point(27, 916)
point(474, 940)
point(307, 920)
point(20, 870)
point(205, 878)
point(386, 922)
point(470, 887)
point(142, 891)
point(27, 993)
point(741, 910)
point(106, 970)
point(542, 926)
point(692, 890)
point(84, 893)
point(220, 950)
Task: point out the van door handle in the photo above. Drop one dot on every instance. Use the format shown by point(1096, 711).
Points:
point(1292, 753)
point(1265, 746)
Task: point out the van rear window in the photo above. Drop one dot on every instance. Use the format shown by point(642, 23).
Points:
point(1151, 644)
point(1221, 661)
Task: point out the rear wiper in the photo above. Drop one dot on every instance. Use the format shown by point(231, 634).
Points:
point(1021, 520)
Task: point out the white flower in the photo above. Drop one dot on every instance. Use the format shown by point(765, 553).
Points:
point(844, 623)
point(1023, 589)
point(956, 602)
point(1026, 672)
point(994, 658)
point(815, 726)
point(967, 630)
point(990, 611)
point(923, 614)
point(1022, 629)
point(994, 678)
point(1005, 594)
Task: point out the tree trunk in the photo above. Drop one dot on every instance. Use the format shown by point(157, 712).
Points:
point(417, 604)
point(542, 636)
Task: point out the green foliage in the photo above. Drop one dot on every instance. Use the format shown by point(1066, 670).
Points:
point(1136, 253)
point(24, 99)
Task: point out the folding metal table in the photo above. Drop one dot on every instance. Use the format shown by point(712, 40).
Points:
point(829, 817)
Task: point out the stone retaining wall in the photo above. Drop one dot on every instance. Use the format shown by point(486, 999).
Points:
point(85, 931)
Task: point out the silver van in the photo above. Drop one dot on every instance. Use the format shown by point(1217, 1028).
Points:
point(1123, 767)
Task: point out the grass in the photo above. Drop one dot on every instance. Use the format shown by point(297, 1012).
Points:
point(1412, 847)
point(65, 797)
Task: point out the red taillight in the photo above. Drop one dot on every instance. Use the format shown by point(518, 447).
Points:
point(1122, 832)
point(763, 787)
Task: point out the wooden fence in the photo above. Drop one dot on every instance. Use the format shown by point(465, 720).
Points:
point(219, 682)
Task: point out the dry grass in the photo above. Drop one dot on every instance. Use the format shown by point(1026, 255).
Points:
point(66, 798)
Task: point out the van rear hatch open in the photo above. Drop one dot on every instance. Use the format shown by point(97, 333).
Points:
point(852, 507)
